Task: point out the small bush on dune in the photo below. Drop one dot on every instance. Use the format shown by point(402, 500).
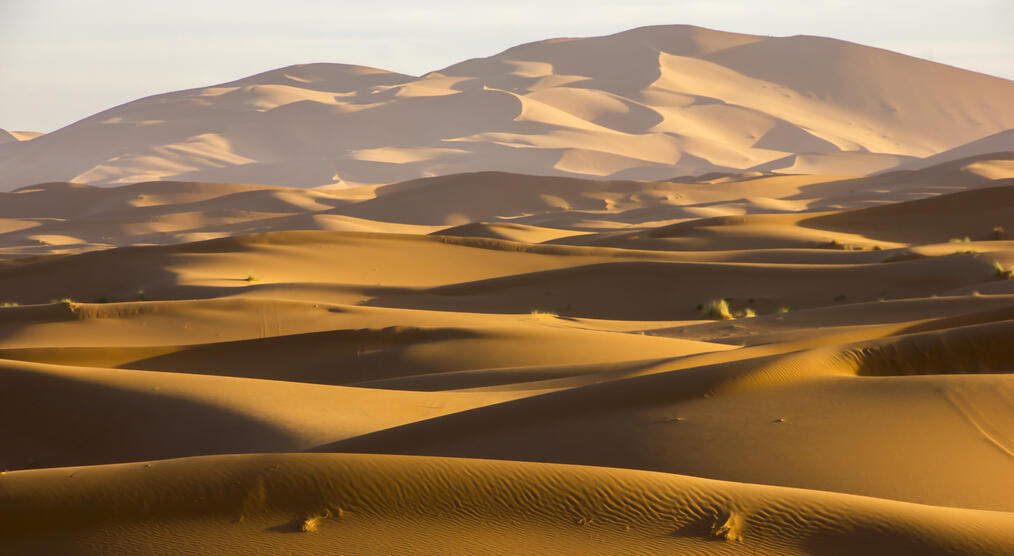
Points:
point(9, 304)
point(965, 239)
point(728, 527)
point(540, 314)
point(66, 302)
point(310, 524)
point(998, 233)
point(715, 309)
point(1001, 272)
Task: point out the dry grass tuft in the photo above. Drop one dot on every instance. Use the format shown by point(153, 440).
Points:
point(1002, 273)
point(715, 309)
point(746, 313)
point(728, 529)
point(310, 524)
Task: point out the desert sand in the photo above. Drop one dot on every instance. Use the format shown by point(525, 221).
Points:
point(783, 329)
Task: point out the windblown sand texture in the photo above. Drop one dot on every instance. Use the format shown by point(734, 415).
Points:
point(512, 363)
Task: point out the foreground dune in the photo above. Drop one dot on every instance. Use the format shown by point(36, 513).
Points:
point(355, 504)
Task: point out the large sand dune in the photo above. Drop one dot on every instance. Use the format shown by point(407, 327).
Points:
point(341, 502)
point(705, 321)
point(650, 103)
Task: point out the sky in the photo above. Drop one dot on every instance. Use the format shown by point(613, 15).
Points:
point(63, 60)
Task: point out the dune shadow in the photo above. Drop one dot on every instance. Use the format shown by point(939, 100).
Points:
point(66, 421)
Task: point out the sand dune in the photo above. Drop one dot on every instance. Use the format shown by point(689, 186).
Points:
point(72, 218)
point(649, 103)
point(996, 143)
point(262, 503)
point(150, 415)
point(667, 291)
point(769, 408)
point(13, 136)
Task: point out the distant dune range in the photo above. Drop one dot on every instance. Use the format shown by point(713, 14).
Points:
point(650, 103)
point(620, 317)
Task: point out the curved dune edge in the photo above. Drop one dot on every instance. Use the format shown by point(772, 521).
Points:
point(357, 503)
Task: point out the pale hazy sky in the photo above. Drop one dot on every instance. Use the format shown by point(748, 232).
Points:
point(63, 60)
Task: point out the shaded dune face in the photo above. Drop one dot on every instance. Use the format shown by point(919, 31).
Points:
point(649, 103)
point(438, 354)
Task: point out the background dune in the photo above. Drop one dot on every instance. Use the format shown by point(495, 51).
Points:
point(650, 103)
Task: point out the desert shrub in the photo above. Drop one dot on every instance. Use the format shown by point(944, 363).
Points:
point(715, 309)
point(1002, 273)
